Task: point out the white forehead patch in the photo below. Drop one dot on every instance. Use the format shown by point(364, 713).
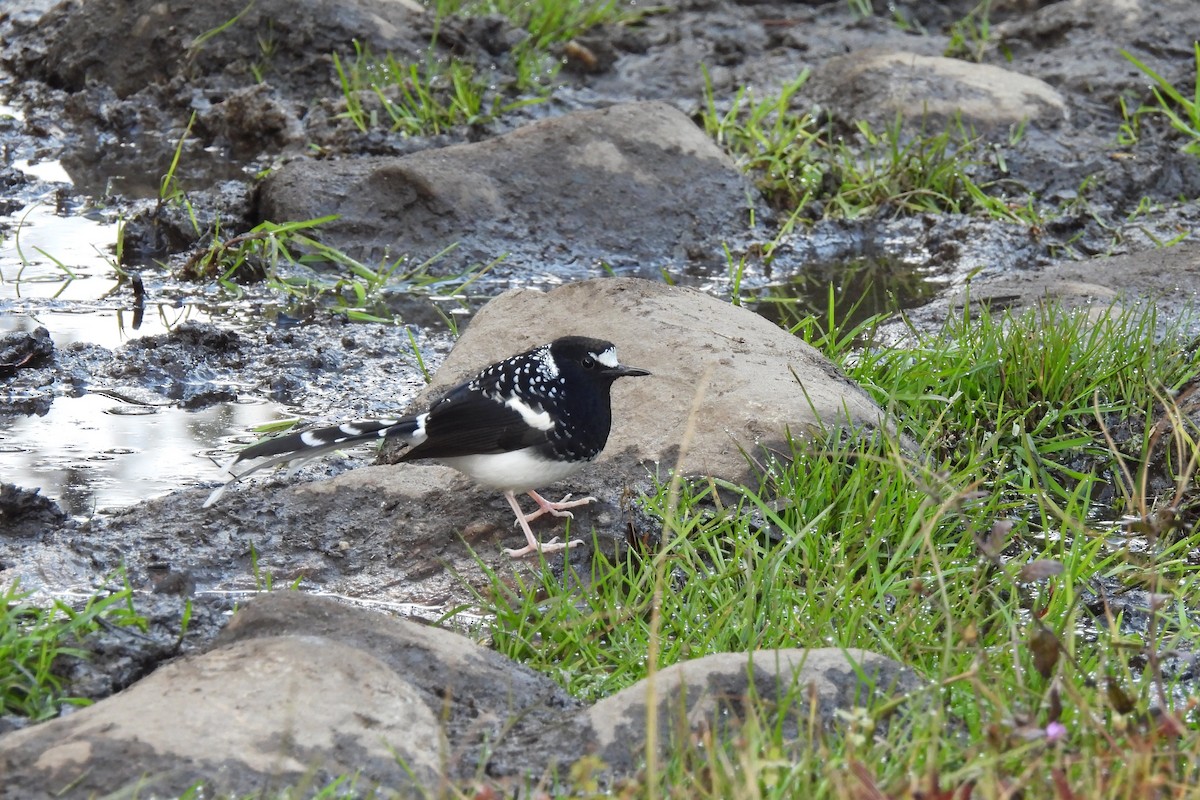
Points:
point(607, 357)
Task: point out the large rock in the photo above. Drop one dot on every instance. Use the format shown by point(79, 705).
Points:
point(247, 717)
point(725, 383)
point(301, 689)
point(632, 184)
point(297, 689)
point(715, 692)
point(878, 85)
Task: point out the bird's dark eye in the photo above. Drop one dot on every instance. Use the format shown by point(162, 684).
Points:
point(588, 362)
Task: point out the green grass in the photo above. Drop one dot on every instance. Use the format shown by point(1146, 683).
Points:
point(36, 640)
point(441, 93)
point(548, 22)
point(308, 274)
point(1181, 109)
point(971, 35)
point(415, 99)
point(1038, 388)
point(806, 170)
point(972, 564)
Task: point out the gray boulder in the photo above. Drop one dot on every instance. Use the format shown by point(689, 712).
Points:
point(716, 693)
point(634, 184)
point(878, 85)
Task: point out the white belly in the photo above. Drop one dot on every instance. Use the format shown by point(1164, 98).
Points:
point(518, 471)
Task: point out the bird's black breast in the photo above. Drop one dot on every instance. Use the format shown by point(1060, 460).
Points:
point(582, 427)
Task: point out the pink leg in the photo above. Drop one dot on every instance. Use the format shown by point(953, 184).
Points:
point(552, 546)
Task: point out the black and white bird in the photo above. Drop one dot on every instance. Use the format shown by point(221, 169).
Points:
point(524, 422)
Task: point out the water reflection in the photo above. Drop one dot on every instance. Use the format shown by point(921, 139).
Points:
point(48, 254)
point(862, 288)
point(109, 327)
point(91, 453)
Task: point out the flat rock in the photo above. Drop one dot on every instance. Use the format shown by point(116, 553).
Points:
point(714, 692)
point(247, 717)
point(636, 183)
point(877, 85)
point(300, 689)
point(1168, 277)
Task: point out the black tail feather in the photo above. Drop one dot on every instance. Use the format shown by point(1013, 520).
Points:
point(305, 445)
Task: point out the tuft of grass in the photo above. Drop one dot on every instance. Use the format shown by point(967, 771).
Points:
point(415, 99)
point(438, 94)
point(971, 35)
point(804, 169)
point(201, 41)
point(766, 137)
point(911, 174)
point(548, 22)
point(308, 273)
point(170, 190)
point(1032, 392)
point(1182, 111)
point(35, 640)
point(863, 9)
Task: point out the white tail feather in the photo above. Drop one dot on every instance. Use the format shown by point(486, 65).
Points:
point(297, 460)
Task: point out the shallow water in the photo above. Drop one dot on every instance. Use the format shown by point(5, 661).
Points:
point(48, 252)
point(96, 453)
point(862, 288)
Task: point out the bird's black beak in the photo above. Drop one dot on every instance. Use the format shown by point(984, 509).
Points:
point(623, 371)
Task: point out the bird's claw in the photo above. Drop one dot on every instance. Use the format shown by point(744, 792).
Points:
point(552, 546)
point(558, 509)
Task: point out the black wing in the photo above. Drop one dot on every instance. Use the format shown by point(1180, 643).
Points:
point(466, 422)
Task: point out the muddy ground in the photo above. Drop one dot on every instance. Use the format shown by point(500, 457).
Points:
point(92, 130)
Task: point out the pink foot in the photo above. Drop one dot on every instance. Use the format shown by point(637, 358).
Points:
point(555, 509)
point(534, 546)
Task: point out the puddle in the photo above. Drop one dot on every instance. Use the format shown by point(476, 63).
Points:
point(95, 453)
point(132, 167)
point(48, 254)
point(862, 288)
point(46, 171)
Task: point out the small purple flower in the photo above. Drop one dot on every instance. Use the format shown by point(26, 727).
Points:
point(1055, 731)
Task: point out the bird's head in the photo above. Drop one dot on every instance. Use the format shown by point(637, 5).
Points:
point(594, 359)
